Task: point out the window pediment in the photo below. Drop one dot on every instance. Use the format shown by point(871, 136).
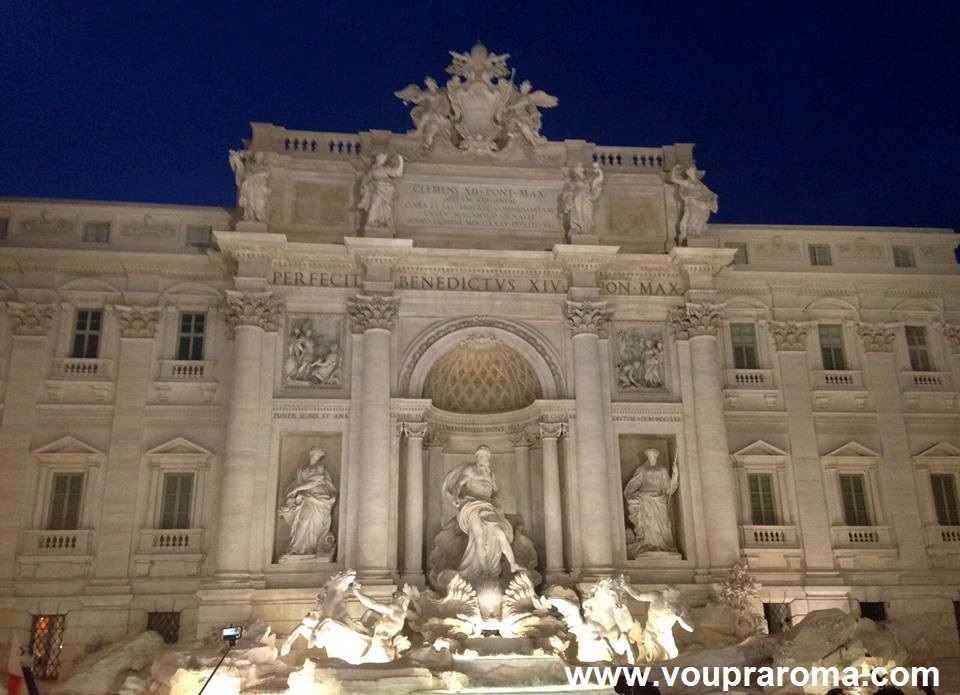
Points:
point(852, 453)
point(941, 455)
point(760, 453)
point(68, 450)
point(179, 452)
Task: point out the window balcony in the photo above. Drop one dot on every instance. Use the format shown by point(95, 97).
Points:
point(925, 381)
point(82, 368)
point(944, 537)
point(45, 543)
point(748, 378)
point(861, 537)
point(769, 536)
point(174, 540)
point(186, 370)
point(838, 379)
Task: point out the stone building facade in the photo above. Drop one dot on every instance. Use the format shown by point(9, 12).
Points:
point(167, 371)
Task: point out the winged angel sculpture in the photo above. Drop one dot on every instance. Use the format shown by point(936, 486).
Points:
point(480, 109)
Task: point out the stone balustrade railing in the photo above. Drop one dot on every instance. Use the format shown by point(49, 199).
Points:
point(181, 540)
point(754, 536)
point(861, 536)
point(186, 370)
point(837, 379)
point(748, 378)
point(56, 542)
point(82, 368)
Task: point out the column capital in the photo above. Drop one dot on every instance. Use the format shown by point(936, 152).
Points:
point(877, 337)
point(691, 320)
point(260, 309)
point(587, 317)
point(137, 321)
point(30, 318)
point(373, 311)
point(414, 430)
point(523, 439)
point(951, 332)
point(552, 430)
point(789, 336)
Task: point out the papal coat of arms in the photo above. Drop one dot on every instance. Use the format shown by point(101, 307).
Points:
point(481, 109)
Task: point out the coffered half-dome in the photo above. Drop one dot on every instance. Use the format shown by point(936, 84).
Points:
point(481, 375)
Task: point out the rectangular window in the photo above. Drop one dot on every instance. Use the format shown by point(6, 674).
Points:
point(46, 642)
point(190, 337)
point(819, 254)
point(762, 509)
point(744, 339)
point(176, 501)
point(96, 233)
point(65, 498)
point(831, 346)
point(166, 624)
point(945, 499)
point(198, 236)
point(854, 496)
point(777, 616)
point(740, 257)
point(917, 347)
point(903, 257)
point(86, 333)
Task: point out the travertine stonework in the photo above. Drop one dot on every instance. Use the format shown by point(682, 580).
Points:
point(810, 416)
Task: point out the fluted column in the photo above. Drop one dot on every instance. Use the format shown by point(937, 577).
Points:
point(413, 503)
point(699, 324)
point(248, 314)
point(374, 316)
point(521, 463)
point(896, 475)
point(586, 319)
point(790, 341)
point(29, 352)
point(550, 432)
point(117, 526)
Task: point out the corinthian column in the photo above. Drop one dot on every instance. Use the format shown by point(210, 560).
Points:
point(586, 319)
point(550, 432)
point(699, 324)
point(374, 316)
point(413, 503)
point(248, 315)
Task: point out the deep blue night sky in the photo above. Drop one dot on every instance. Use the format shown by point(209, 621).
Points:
point(803, 113)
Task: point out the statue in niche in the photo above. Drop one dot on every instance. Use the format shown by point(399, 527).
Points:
point(639, 360)
point(579, 194)
point(253, 184)
point(377, 189)
point(480, 539)
point(698, 202)
point(648, 494)
point(308, 509)
point(431, 113)
point(313, 353)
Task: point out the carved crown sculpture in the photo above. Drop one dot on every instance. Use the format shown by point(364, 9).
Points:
point(480, 109)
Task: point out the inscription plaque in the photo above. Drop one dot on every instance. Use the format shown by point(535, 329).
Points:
point(478, 206)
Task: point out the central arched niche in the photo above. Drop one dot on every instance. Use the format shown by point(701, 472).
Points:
point(481, 375)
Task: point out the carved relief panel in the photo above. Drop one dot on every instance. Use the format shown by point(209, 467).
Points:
point(639, 358)
point(313, 351)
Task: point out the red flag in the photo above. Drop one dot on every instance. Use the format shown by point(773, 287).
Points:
point(14, 671)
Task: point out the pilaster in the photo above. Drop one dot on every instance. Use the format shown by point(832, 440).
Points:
point(29, 357)
point(413, 503)
point(790, 341)
point(896, 474)
point(700, 324)
point(550, 433)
